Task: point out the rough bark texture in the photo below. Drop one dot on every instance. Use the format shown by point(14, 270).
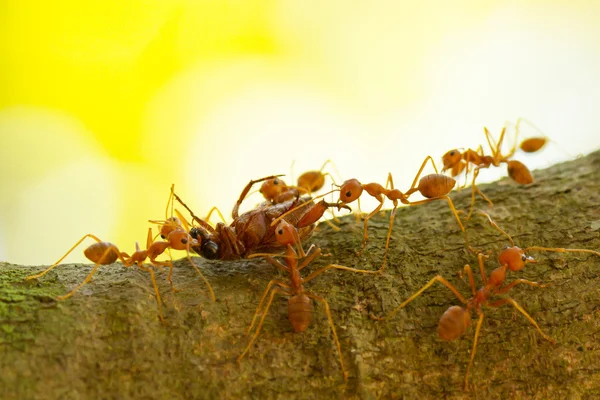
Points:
point(106, 341)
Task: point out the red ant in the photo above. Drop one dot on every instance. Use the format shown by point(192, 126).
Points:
point(276, 191)
point(433, 187)
point(455, 321)
point(105, 253)
point(456, 161)
point(300, 306)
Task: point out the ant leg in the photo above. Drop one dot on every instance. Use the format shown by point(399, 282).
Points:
point(474, 189)
point(158, 299)
point(477, 331)
point(358, 213)
point(512, 243)
point(262, 300)
point(513, 149)
point(517, 281)
point(200, 222)
point(467, 269)
point(561, 250)
point(389, 234)
point(453, 209)
point(522, 311)
point(89, 277)
point(413, 187)
point(467, 170)
point(207, 219)
point(450, 203)
point(331, 224)
point(491, 142)
point(335, 169)
point(168, 264)
point(438, 278)
point(335, 337)
point(389, 181)
point(212, 294)
point(366, 224)
point(498, 155)
point(308, 259)
point(273, 292)
point(482, 268)
point(330, 266)
point(234, 212)
point(315, 211)
point(63, 257)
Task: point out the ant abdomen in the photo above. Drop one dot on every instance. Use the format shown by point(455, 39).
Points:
point(311, 181)
point(519, 172)
point(532, 145)
point(435, 185)
point(454, 323)
point(300, 310)
point(103, 253)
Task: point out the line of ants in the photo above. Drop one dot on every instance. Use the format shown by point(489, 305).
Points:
point(287, 218)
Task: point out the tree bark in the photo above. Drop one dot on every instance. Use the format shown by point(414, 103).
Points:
point(107, 342)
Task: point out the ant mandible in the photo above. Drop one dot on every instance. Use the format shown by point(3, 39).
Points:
point(300, 306)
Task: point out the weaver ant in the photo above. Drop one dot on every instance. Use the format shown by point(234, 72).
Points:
point(456, 320)
point(276, 191)
point(105, 253)
point(457, 162)
point(300, 306)
point(433, 187)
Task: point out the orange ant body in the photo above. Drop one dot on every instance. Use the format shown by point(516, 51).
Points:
point(300, 306)
point(313, 181)
point(106, 253)
point(276, 190)
point(456, 162)
point(455, 321)
point(433, 187)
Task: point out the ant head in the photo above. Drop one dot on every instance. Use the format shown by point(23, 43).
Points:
point(180, 240)
point(454, 323)
point(286, 234)
point(271, 188)
point(514, 258)
point(451, 158)
point(169, 226)
point(350, 191)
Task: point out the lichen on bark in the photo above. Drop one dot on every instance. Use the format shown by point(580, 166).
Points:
point(107, 342)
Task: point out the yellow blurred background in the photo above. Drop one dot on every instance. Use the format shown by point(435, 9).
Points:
point(104, 104)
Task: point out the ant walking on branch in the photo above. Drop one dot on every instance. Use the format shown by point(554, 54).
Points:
point(106, 253)
point(456, 161)
point(455, 321)
point(300, 306)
